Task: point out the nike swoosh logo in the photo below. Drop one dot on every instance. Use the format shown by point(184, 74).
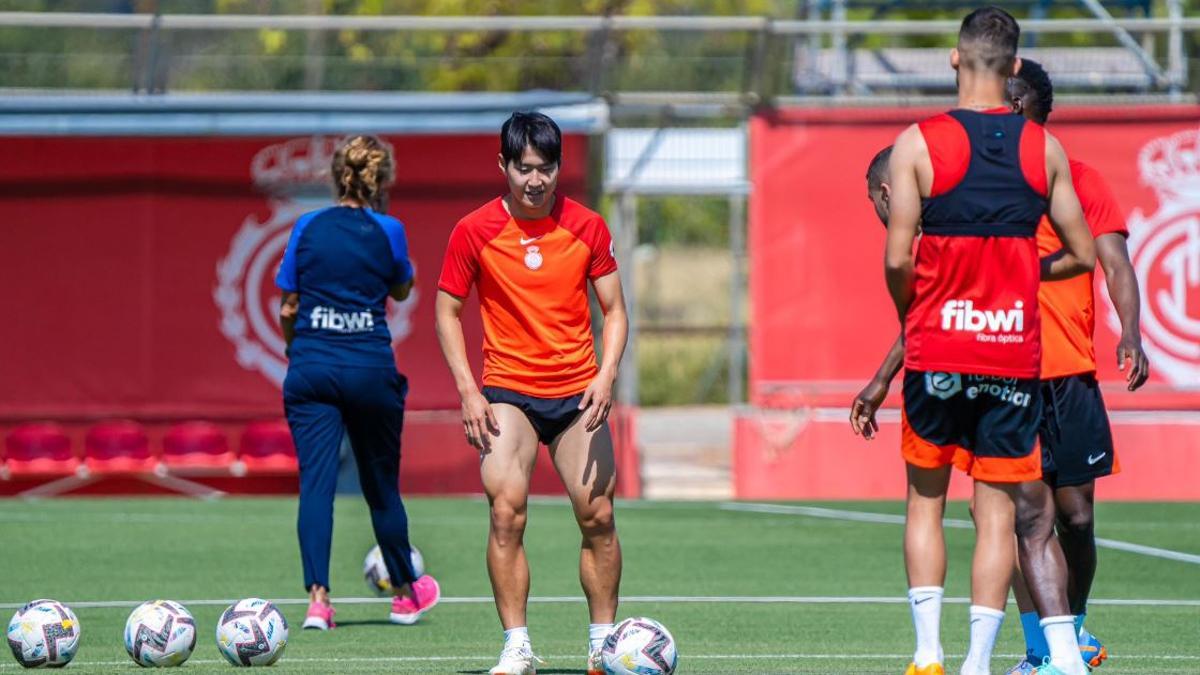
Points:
point(525, 241)
point(1092, 459)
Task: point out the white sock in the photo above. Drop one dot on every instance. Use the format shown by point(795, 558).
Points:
point(1064, 644)
point(926, 605)
point(596, 634)
point(985, 626)
point(516, 637)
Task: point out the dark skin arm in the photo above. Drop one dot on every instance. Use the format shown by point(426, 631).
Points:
point(862, 411)
point(288, 309)
point(1123, 289)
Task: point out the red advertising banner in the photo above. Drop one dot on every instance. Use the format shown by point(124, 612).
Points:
point(138, 273)
point(822, 319)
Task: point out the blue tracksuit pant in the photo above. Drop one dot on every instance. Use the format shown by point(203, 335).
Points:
point(322, 402)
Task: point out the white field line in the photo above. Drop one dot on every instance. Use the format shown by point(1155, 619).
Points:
point(891, 519)
point(660, 599)
point(572, 657)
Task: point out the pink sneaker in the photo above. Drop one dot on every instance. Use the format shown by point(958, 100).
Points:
point(319, 616)
point(425, 594)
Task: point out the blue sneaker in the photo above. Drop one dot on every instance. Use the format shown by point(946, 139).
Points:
point(1047, 669)
point(1092, 651)
point(1025, 667)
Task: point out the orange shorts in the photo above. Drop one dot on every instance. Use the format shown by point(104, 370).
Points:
point(985, 426)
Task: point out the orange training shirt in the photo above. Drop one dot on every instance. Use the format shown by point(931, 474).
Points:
point(532, 277)
point(1068, 307)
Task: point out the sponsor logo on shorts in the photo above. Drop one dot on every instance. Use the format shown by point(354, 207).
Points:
point(943, 385)
point(1003, 388)
point(1092, 459)
point(988, 325)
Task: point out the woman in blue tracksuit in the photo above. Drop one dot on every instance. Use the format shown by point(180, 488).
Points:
point(340, 266)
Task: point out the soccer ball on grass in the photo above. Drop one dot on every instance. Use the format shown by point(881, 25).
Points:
point(160, 634)
point(639, 646)
point(252, 632)
point(376, 574)
point(43, 634)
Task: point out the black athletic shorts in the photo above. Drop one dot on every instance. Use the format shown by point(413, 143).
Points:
point(986, 426)
point(549, 416)
point(1077, 445)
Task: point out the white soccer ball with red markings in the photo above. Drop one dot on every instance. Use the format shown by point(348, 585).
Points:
point(160, 634)
point(44, 634)
point(376, 574)
point(639, 646)
point(252, 632)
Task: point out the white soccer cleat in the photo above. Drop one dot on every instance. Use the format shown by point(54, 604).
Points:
point(518, 660)
point(595, 663)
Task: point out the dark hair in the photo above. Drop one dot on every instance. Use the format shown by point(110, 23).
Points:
point(877, 171)
point(531, 129)
point(987, 40)
point(1033, 87)
point(362, 169)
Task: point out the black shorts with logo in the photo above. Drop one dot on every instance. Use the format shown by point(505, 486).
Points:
point(984, 425)
point(549, 416)
point(1077, 444)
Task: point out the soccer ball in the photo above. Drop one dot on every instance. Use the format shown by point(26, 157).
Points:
point(43, 633)
point(639, 646)
point(160, 634)
point(252, 632)
point(376, 572)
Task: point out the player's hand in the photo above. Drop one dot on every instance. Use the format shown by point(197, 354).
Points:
point(1130, 353)
point(862, 411)
point(479, 422)
point(596, 402)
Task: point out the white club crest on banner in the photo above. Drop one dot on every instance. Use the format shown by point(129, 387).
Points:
point(1165, 249)
point(294, 175)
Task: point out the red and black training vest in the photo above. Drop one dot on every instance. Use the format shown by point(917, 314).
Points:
point(976, 273)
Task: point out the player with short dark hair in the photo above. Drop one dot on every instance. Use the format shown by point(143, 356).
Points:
point(531, 255)
point(1076, 437)
point(340, 266)
point(976, 181)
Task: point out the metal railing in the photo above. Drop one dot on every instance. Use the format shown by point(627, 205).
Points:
point(751, 59)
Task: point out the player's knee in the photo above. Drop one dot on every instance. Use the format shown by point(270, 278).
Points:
point(1076, 523)
point(508, 520)
point(598, 520)
point(1034, 523)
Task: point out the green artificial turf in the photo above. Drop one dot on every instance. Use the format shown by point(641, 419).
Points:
point(130, 550)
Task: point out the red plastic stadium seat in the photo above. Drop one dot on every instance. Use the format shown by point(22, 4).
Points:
point(196, 445)
point(119, 446)
point(39, 448)
point(267, 447)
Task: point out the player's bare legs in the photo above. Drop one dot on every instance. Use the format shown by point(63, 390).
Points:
point(924, 537)
point(1045, 572)
point(992, 565)
point(925, 561)
point(505, 468)
point(1042, 562)
point(994, 512)
point(584, 460)
point(1077, 536)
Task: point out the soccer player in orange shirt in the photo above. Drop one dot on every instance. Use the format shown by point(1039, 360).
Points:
point(1075, 430)
point(532, 254)
point(977, 181)
point(1075, 435)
